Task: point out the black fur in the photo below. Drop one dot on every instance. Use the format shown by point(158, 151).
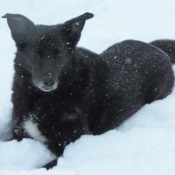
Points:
point(93, 93)
point(168, 46)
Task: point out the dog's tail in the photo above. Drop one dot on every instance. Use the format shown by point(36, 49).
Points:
point(167, 46)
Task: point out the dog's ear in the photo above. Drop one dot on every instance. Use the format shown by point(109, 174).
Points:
point(73, 28)
point(20, 26)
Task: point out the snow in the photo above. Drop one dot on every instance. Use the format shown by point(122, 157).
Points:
point(142, 145)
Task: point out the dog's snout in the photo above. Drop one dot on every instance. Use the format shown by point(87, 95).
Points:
point(48, 82)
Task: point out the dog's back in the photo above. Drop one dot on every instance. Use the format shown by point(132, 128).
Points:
point(136, 73)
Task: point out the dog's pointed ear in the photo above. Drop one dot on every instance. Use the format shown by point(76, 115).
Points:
point(73, 28)
point(20, 26)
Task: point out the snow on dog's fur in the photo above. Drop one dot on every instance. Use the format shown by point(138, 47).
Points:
point(61, 92)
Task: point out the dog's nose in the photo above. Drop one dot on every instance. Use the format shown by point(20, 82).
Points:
point(48, 82)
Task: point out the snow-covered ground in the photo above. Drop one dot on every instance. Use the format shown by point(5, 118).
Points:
point(145, 143)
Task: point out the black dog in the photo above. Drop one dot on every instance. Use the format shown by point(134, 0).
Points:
point(61, 92)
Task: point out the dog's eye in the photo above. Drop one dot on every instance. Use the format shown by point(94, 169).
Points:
point(55, 52)
point(38, 51)
point(22, 46)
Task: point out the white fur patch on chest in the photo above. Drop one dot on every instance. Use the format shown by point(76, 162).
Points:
point(32, 130)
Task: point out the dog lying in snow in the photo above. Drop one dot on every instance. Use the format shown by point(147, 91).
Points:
point(61, 92)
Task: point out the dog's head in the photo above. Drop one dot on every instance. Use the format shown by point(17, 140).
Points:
point(44, 51)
